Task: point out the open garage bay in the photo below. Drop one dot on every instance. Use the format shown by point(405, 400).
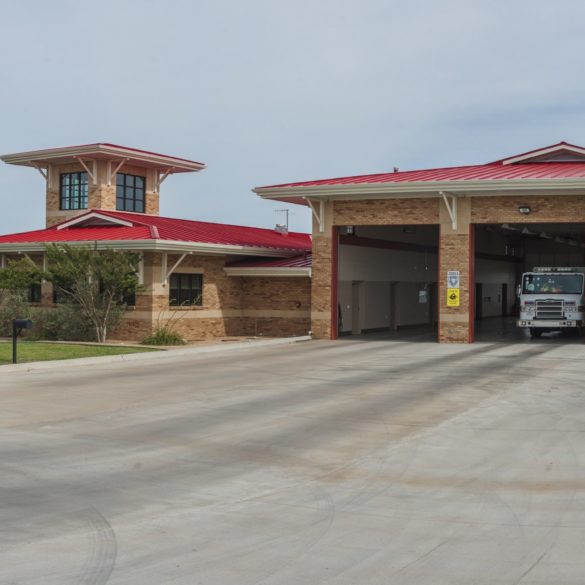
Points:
point(321, 462)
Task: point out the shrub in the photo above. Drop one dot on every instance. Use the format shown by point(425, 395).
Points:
point(163, 336)
point(64, 323)
point(13, 305)
point(165, 331)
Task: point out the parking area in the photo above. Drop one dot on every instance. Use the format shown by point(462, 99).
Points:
point(319, 462)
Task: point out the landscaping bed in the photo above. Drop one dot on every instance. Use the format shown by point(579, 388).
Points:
point(36, 351)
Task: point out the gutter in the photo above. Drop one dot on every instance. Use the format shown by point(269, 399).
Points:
point(157, 246)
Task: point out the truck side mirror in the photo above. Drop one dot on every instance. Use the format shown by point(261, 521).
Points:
point(518, 291)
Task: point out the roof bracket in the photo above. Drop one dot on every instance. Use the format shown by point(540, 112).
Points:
point(451, 207)
point(93, 174)
point(112, 174)
point(318, 214)
point(40, 169)
point(175, 266)
point(159, 179)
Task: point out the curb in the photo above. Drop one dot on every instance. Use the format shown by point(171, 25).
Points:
point(167, 354)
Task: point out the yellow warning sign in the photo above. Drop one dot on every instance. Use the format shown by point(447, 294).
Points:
point(452, 297)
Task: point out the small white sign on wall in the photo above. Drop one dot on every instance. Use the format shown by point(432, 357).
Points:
point(453, 279)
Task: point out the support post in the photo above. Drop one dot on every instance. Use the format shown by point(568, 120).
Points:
point(14, 342)
point(141, 270)
point(163, 268)
point(318, 214)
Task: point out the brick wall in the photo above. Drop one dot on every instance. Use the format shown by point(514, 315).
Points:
point(559, 209)
point(386, 212)
point(232, 306)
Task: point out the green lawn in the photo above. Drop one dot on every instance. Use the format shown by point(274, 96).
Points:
point(33, 351)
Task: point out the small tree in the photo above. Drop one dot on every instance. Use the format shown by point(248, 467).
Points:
point(97, 281)
point(19, 275)
point(14, 282)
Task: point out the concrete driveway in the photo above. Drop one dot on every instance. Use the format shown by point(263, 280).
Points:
point(346, 462)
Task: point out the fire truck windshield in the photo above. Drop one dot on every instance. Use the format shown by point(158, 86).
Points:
point(540, 284)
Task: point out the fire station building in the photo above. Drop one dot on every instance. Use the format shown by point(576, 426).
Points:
point(435, 251)
point(439, 249)
point(229, 280)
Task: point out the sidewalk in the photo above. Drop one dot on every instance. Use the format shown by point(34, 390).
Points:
point(159, 355)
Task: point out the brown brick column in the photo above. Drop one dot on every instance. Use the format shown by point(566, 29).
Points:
point(456, 253)
point(323, 287)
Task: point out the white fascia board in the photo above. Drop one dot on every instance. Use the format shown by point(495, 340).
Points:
point(94, 214)
point(268, 271)
point(161, 161)
point(424, 189)
point(155, 246)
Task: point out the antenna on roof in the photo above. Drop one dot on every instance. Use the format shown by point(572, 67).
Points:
point(286, 216)
point(395, 169)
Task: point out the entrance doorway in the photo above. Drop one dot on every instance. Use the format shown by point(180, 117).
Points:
point(387, 281)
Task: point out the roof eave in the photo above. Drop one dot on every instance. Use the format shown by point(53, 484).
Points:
point(55, 154)
point(156, 246)
point(420, 189)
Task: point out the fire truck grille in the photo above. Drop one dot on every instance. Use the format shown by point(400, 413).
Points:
point(549, 309)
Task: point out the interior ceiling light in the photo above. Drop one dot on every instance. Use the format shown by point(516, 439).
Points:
point(545, 236)
point(560, 240)
point(506, 226)
point(528, 232)
point(572, 242)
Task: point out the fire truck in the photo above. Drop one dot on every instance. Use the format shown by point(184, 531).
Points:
point(551, 299)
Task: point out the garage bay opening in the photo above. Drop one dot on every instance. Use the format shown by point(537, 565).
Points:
point(387, 281)
point(521, 276)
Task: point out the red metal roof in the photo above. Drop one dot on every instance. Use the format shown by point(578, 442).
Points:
point(150, 227)
point(304, 261)
point(469, 173)
point(486, 172)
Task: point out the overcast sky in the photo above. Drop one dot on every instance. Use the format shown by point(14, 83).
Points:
point(273, 91)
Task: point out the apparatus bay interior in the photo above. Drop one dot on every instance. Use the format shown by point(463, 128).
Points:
point(388, 278)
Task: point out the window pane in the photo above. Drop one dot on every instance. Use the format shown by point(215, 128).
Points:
point(139, 183)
